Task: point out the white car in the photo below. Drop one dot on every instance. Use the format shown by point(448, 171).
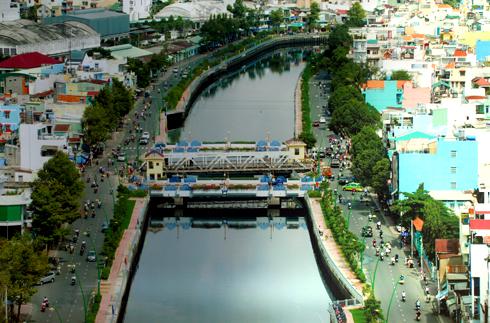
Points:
point(145, 135)
point(323, 120)
point(121, 157)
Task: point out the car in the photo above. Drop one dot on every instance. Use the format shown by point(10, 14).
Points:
point(121, 157)
point(355, 187)
point(104, 227)
point(143, 141)
point(367, 231)
point(343, 180)
point(335, 163)
point(176, 70)
point(145, 135)
point(323, 120)
point(321, 154)
point(329, 151)
point(48, 278)
point(91, 256)
point(316, 123)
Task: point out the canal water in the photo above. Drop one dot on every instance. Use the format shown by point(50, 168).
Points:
point(255, 102)
point(202, 274)
point(266, 273)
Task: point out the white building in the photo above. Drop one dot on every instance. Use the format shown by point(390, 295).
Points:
point(38, 144)
point(9, 10)
point(25, 36)
point(196, 11)
point(137, 9)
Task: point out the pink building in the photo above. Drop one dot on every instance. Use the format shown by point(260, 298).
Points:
point(414, 95)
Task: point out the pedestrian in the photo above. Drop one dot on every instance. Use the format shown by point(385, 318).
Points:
point(374, 243)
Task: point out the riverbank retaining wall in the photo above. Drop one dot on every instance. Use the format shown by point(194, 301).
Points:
point(352, 293)
point(115, 289)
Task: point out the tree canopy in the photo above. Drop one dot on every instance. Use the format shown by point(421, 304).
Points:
point(401, 75)
point(342, 95)
point(21, 267)
point(111, 104)
point(439, 221)
point(277, 18)
point(356, 16)
point(313, 15)
point(352, 116)
point(55, 197)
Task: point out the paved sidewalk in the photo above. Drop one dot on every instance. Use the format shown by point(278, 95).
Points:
point(332, 247)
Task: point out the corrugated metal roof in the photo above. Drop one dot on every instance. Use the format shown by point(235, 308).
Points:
point(125, 51)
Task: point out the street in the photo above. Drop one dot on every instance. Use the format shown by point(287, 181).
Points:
point(66, 300)
point(387, 276)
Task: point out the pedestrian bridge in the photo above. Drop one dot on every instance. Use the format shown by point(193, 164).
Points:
point(227, 158)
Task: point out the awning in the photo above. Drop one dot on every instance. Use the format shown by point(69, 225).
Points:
point(442, 294)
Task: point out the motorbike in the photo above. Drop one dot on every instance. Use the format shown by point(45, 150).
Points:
point(417, 315)
point(99, 204)
point(417, 305)
point(43, 307)
point(396, 258)
point(82, 250)
point(401, 281)
point(73, 280)
point(404, 297)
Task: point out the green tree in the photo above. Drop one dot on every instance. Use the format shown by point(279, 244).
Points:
point(55, 197)
point(314, 15)
point(351, 117)
point(356, 16)
point(439, 221)
point(401, 75)
point(452, 3)
point(122, 100)
point(276, 18)
point(342, 95)
point(381, 175)
point(21, 267)
point(96, 124)
point(372, 309)
point(338, 37)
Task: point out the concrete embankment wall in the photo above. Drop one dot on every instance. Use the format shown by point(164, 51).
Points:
point(115, 290)
point(327, 265)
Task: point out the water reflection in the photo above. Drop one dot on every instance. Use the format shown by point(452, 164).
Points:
point(250, 103)
point(227, 270)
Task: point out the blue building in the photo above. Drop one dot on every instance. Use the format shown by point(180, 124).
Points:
point(383, 94)
point(443, 166)
point(482, 50)
point(9, 118)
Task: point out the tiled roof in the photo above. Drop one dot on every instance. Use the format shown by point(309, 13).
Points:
point(475, 97)
point(447, 246)
point(28, 60)
point(459, 53)
point(61, 127)
point(375, 84)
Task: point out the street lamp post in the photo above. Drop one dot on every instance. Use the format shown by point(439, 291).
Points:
point(348, 216)
point(83, 297)
point(374, 274)
point(395, 285)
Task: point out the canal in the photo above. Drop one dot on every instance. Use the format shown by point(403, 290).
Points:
point(260, 273)
point(251, 104)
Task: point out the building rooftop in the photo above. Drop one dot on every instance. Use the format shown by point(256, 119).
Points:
point(23, 31)
point(28, 60)
point(128, 51)
point(93, 14)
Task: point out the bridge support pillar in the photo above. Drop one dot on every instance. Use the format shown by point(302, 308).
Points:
point(179, 201)
point(274, 201)
point(272, 213)
point(178, 212)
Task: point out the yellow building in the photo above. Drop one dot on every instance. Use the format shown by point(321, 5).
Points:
point(297, 148)
point(154, 165)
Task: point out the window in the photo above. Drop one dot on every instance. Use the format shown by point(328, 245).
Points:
point(157, 164)
point(150, 165)
point(453, 170)
point(453, 185)
point(6, 114)
point(453, 153)
point(462, 73)
point(296, 151)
